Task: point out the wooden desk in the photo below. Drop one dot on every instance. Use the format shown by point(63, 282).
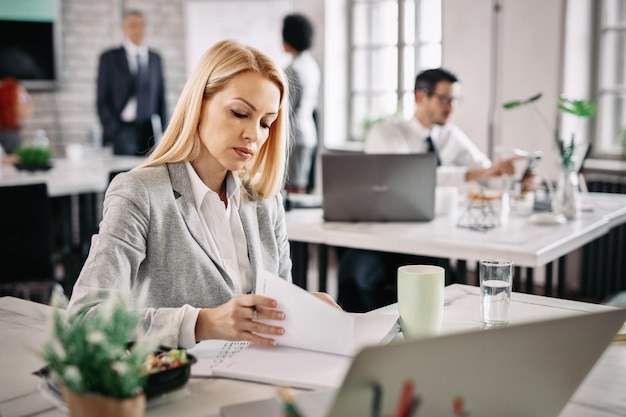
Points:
point(526, 244)
point(23, 330)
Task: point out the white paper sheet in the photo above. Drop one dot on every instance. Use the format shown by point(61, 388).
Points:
point(313, 324)
point(211, 353)
point(292, 367)
point(315, 351)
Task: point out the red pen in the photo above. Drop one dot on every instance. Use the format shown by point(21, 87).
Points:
point(406, 397)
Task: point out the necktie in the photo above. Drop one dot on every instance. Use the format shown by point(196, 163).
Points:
point(433, 149)
point(142, 90)
point(139, 69)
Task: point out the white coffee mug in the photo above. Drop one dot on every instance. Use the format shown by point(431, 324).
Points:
point(420, 299)
point(446, 201)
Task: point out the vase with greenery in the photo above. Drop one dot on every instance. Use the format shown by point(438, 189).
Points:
point(89, 354)
point(567, 199)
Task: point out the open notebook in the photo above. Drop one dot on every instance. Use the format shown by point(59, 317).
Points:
point(314, 352)
point(529, 369)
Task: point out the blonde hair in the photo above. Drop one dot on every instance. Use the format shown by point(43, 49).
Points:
point(264, 175)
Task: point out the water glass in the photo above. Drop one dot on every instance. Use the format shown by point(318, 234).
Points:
point(420, 299)
point(496, 279)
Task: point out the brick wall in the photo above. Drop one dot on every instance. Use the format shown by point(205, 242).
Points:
point(88, 28)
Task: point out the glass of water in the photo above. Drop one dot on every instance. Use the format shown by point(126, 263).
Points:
point(496, 279)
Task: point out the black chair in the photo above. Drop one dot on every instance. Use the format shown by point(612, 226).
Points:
point(26, 254)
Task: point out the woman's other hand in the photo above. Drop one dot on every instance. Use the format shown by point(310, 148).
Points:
point(327, 299)
point(237, 320)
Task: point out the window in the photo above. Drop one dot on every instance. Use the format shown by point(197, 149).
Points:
point(611, 119)
point(389, 42)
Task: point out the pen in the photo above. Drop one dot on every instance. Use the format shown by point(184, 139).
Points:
point(406, 397)
point(376, 400)
point(415, 403)
point(288, 405)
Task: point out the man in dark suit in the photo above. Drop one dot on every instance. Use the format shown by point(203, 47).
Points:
point(131, 91)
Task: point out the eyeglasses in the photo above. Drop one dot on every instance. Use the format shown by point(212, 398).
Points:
point(443, 99)
point(447, 100)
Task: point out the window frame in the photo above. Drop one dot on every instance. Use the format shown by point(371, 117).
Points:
point(401, 45)
point(608, 147)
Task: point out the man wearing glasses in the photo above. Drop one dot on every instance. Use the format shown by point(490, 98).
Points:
point(362, 273)
point(460, 160)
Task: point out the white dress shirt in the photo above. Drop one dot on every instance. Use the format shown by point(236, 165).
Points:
point(457, 151)
point(227, 242)
point(129, 114)
point(308, 80)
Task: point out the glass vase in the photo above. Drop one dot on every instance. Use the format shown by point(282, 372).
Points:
point(567, 200)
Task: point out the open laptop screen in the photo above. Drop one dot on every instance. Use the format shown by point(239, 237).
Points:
point(379, 187)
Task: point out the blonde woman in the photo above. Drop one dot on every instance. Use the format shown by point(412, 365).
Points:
point(203, 214)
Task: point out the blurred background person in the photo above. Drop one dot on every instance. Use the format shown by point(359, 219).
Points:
point(15, 105)
point(304, 78)
point(131, 91)
point(363, 274)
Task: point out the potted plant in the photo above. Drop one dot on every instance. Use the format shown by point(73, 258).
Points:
point(89, 354)
point(567, 198)
point(33, 158)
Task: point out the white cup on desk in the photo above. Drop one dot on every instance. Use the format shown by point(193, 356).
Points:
point(420, 299)
point(446, 201)
point(75, 153)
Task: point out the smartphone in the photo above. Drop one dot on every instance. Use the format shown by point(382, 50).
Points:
point(531, 163)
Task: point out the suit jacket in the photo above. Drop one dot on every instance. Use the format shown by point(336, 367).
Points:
point(116, 84)
point(151, 231)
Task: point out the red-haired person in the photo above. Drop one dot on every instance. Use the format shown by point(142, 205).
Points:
point(15, 105)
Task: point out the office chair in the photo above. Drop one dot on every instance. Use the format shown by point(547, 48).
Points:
point(26, 255)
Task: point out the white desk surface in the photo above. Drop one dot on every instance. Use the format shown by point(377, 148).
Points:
point(23, 329)
point(525, 243)
point(68, 178)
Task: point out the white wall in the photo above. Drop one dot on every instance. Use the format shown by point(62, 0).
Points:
point(530, 41)
point(529, 61)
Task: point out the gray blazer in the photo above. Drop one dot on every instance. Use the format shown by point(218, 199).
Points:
point(151, 230)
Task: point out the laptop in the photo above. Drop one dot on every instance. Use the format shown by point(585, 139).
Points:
point(529, 369)
point(378, 187)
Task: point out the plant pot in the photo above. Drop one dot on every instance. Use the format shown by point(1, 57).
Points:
point(92, 405)
point(33, 168)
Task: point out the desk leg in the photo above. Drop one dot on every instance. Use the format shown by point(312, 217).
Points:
point(322, 265)
point(517, 278)
point(300, 263)
point(461, 271)
point(529, 280)
point(64, 207)
point(560, 283)
point(88, 215)
point(548, 285)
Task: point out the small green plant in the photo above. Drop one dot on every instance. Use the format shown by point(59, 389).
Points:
point(37, 156)
point(371, 120)
point(90, 353)
point(578, 108)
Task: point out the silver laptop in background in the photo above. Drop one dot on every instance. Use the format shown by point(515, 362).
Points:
point(529, 369)
point(378, 187)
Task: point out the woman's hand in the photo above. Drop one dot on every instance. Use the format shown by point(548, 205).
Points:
point(236, 320)
point(327, 299)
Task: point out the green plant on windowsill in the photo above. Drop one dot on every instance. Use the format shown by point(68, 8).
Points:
point(371, 120)
point(32, 157)
point(579, 108)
